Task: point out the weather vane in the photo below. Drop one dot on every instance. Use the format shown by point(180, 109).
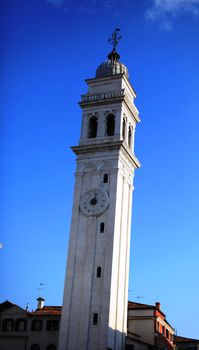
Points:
point(115, 38)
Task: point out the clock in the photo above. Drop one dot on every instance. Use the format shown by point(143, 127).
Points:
point(94, 202)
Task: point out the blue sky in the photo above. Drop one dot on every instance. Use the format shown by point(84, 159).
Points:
point(48, 48)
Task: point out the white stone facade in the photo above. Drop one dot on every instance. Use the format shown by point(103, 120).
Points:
point(95, 308)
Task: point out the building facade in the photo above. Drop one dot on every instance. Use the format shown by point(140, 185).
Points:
point(148, 328)
point(96, 287)
point(21, 329)
point(147, 324)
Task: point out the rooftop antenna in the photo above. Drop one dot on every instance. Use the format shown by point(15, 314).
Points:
point(41, 284)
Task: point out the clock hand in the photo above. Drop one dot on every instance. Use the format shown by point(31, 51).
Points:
point(94, 199)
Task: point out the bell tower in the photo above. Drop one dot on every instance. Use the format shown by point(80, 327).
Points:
point(94, 315)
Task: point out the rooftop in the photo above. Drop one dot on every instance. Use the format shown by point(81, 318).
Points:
point(48, 310)
point(185, 340)
point(5, 306)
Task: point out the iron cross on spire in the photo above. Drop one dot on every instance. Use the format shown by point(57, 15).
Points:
point(115, 38)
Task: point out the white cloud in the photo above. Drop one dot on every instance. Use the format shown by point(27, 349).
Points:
point(166, 10)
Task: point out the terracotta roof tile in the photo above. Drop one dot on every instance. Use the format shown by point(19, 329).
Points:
point(48, 310)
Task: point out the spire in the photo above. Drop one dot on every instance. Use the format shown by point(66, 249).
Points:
point(114, 40)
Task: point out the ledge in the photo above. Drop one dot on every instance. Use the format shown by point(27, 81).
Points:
point(107, 146)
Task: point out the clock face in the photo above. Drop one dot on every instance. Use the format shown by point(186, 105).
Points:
point(94, 202)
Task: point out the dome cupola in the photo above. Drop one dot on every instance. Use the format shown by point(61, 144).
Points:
point(112, 66)
point(109, 67)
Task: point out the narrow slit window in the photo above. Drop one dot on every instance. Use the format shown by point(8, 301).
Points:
point(102, 227)
point(92, 128)
point(95, 319)
point(105, 178)
point(129, 137)
point(110, 125)
point(99, 272)
point(123, 129)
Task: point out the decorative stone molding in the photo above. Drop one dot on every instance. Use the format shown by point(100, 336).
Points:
point(102, 96)
point(87, 168)
point(94, 114)
point(105, 165)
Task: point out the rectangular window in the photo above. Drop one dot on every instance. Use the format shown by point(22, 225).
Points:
point(36, 325)
point(20, 325)
point(52, 325)
point(162, 330)
point(8, 325)
point(167, 334)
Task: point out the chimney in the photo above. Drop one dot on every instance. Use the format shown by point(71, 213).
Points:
point(40, 303)
point(157, 304)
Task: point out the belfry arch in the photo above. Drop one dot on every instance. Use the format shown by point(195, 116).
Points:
point(92, 127)
point(110, 124)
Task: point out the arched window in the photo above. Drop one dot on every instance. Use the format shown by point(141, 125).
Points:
point(130, 136)
point(92, 127)
point(102, 226)
point(35, 347)
point(51, 347)
point(123, 129)
point(110, 125)
point(99, 272)
point(95, 319)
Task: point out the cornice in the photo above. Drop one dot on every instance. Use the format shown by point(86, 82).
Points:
point(112, 77)
point(113, 97)
point(110, 100)
point(107, 146)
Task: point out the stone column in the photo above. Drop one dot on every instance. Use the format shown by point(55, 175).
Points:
point(101, 126)
point(117, 122)
point(84, 129)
